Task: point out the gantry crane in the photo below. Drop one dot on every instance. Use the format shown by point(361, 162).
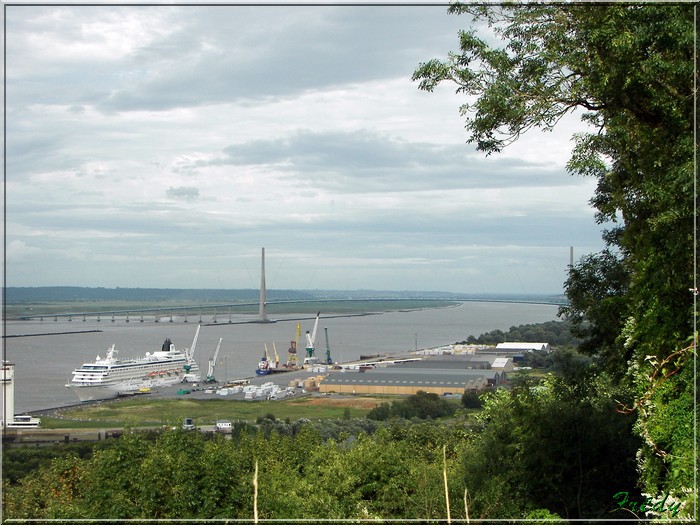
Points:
point(212, 364)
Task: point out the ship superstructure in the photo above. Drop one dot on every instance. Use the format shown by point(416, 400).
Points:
point(108, 377)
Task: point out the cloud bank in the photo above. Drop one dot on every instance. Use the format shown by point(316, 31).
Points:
point(163, 146)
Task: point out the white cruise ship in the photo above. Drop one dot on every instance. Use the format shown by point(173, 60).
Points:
point(109, 377)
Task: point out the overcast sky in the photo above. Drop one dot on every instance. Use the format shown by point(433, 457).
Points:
point(163, 146)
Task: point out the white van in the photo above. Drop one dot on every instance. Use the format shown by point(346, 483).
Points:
point(223, 425)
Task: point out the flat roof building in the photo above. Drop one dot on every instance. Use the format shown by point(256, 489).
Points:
point(521, 347)
point(454, 363)
point(409, 380)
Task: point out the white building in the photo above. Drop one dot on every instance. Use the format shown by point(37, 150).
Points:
point(521, 347)
point(8, 392)
point(502, 363)
point(9, 420)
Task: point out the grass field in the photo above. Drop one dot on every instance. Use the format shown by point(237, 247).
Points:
point(150, 412)
point(145, 411)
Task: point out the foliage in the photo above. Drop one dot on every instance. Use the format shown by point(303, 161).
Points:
point(556, 333)
point(18, 461)
point(549, 447)
point(421, 405)
point(668, 396)
point(596, 289)
point(471, 400)
point(188, 475)
point(628, 69)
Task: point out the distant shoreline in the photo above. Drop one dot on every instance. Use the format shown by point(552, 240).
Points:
point(17, 295)
point(103, 309)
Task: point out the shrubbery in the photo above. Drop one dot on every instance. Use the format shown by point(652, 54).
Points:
point(556, 333)
point(421, 405)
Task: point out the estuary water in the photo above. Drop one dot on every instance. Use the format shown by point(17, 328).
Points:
point(43, 363)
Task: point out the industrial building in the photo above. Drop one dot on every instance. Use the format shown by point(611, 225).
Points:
point(410, 378)
point(521, 347)
point(9, 419)
point(502, 363)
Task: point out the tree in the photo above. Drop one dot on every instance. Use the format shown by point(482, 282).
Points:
point(596, 289)
point(547, 448)
point(421, 405)
point(629, 68)
point(471, 400)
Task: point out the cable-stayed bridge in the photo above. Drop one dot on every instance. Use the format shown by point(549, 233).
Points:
point(225, 312)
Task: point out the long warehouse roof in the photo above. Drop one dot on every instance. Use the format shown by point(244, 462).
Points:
point(407, 378)
point(431, 372)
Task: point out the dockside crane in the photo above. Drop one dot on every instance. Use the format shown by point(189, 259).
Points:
point(310, 340)
point(190, 376)
point(212, 364)
point(189, 352)
point(292, 350)
point(329, 361)
point(277, 358)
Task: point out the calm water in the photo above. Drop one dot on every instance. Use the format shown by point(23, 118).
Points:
point(43, 363)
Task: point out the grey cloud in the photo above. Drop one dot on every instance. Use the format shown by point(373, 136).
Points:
point(207, 55)
point(187, 193)
point(198, 56)
point(232, 54)
point(365, 161)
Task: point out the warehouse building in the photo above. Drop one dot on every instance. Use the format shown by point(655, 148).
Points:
point(409, 380)
point(448, 363)
point(502, 363)
point(521, 347)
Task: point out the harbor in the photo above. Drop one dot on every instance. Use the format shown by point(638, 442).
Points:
point(44, 364)
point(447, 370)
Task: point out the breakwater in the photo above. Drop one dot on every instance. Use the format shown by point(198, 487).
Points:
point(72, 332)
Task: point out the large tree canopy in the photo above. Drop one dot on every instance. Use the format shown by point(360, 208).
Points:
point(629, 69)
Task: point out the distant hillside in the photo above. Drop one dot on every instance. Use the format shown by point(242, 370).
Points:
point(49, 294)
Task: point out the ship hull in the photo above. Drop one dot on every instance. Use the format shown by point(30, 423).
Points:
point(110, 391)
point(93, 393)
point(109, 377)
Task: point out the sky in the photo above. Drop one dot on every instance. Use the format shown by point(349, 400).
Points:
point(163, 146)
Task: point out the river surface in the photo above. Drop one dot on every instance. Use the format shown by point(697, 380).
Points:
point(43, 363)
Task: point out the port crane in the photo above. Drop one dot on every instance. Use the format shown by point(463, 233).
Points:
point(292, 351)
point(310, 340)
point(277, 358)
point(189, 355)
point(329, 361)
point(212, 364)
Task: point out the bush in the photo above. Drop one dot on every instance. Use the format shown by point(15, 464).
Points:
point(471, 400)
point(421, 405)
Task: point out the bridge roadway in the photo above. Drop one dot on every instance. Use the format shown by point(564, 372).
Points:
point(187, 311)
